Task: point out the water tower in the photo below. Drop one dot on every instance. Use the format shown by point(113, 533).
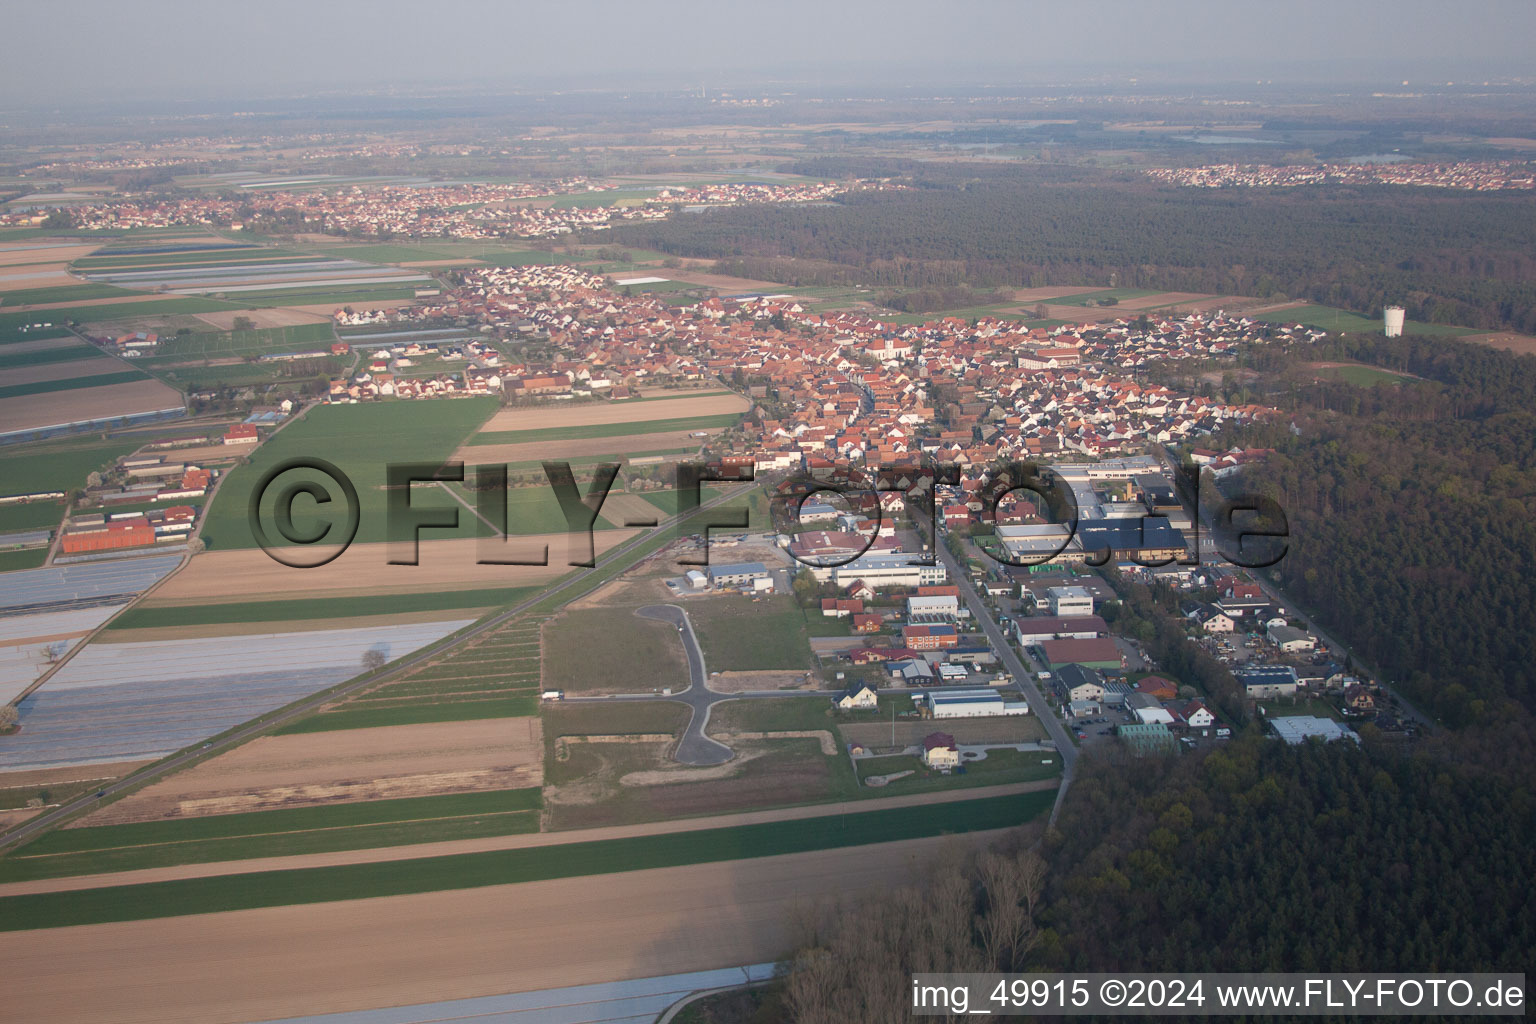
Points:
point(1392, 321)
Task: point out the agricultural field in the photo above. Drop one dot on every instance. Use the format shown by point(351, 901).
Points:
point(62, 294)
point(516, 421)
point(425, 432)
point(31, 515)
point(58, 464)
point(209, 895)
point(79, 400)
point(1094, 298)
point(603, 427)
point(493, 677)
point(275, 833)
point(142, 700)
point(239, 344)
point(45, 353)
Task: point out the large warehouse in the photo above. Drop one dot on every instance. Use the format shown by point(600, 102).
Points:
point(980, 703)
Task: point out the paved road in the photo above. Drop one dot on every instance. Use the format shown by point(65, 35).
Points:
point(1011, 662)
point(598, 576)
point(694, 747)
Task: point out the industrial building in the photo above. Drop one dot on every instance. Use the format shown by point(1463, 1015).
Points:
point(879, 571)
point(1034, 629)
point(740, 574)
point(933, 609)
point(1100, 653)
point(1067, 602)
point(1295, 729)
point(979, 703)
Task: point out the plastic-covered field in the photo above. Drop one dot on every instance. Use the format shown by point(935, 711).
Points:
point(24, 651)
point(138, 701)
point(84, 581)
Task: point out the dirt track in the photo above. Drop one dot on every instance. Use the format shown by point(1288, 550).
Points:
point(286, 961)
point(564, 415)
point(514, 842)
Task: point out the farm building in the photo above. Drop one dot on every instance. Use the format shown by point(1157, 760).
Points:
point(127, 533)
point(241, 433)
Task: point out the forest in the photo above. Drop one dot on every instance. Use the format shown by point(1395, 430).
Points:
point(1446, 257)
point(1412, 512)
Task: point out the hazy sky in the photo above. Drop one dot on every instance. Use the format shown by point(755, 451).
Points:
point(167, 49)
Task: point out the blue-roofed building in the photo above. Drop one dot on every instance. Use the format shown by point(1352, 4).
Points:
point(740, 574)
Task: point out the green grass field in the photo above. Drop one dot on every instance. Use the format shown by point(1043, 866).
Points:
point(501, 867)
point(298, 608)
point(740, 634)
point(63, 293)
point(58, 464)
point(46, 387)
point(998, 768)
point(1360, 375)
point(1093, 298)
point(1328, 318)
point(279, 833)
point(11, 323)
point(26, 558)
point(48, 356)
point(353, 716)
point(32, 515)
point(595, 430)
point(359, 440)
point(260, 341)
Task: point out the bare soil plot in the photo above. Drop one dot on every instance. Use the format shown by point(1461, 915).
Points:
point(611, 650)
point(111, 300)
point(1043, 294)
point(530, 451)
point(553, 417)
point(1520, 344)
point(309, 769)
point(34, 277)
point(629, 508)
point(287, 316)
point(250, 574)
point(30, 253)
point(64, 371)
point(356, 955)
point(41, 345)
point(26, 411)
point(73, 773)
point(741, 682)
